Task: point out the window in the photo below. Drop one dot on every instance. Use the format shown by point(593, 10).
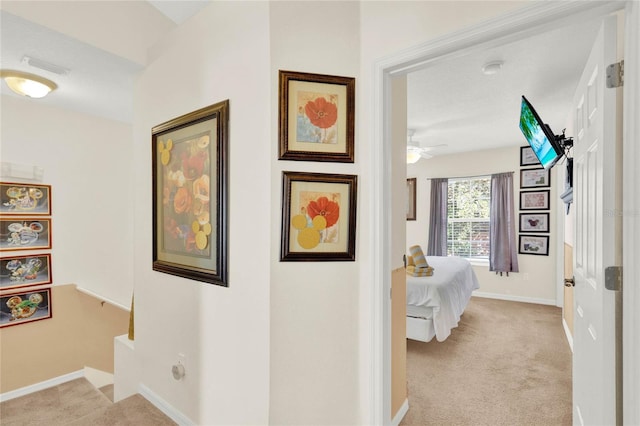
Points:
point(468, 217)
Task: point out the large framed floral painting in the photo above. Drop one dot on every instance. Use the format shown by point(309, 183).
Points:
point(318, 217)
point(190, 193)
point(317, 117)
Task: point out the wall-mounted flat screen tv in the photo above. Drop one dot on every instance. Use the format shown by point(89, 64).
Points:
point(539, 135)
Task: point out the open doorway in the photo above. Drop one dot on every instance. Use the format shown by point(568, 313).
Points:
point(513, 27)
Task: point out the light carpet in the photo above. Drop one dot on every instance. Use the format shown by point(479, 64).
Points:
point(507, 363)
point(79, 403)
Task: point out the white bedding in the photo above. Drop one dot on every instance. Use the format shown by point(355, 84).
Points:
point(446, 292)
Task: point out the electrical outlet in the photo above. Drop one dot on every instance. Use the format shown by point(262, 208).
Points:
point(182, 359)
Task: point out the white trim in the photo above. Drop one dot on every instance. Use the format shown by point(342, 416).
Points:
point(512, 298)
point(567, 333)
point(164, 406)
point(41, 386)
point(401, 413)
point(631, 219)
point(519, 24)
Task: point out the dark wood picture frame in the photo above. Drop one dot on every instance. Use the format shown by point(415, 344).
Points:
point(318, 217)
point(25, 306)
point(535, 200)
point(317, 117)
point(190, 158)
point(411, 198)
point(533, 244)
point(25, 271)
point(535, 178)
point(534, 222)
point(25, 199)
point(528, 157)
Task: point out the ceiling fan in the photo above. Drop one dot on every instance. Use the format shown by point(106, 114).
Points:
point(415, 151)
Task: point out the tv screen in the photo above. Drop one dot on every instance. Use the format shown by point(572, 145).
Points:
point(539, 135)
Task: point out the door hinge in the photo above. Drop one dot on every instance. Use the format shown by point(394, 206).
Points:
point(615, 75)
point(613, 278)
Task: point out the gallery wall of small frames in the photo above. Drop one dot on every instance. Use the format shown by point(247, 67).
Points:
point(25, 253)
point(533, 223)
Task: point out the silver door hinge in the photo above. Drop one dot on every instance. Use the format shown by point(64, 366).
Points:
point(613, 278)
point(615, 75)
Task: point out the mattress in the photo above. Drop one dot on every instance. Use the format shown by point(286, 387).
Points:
point(445, 294)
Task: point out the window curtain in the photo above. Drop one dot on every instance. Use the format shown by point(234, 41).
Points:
point(503, 254)
point(437, 244)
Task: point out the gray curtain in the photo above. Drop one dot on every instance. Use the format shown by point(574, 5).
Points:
point(437, 244)
point(503, 255)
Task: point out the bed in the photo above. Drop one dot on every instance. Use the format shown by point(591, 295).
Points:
point(436, 303)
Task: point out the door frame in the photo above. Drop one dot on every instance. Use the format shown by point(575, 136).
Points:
point(516, 25)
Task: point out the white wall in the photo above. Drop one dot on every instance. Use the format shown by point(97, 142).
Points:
point(314, 305)
point(536, 280)
point(87, 161)
point(221, 53)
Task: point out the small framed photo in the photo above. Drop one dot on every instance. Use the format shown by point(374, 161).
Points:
point(527, 157)
point(534, 222)
point(411, 199)
point(25, 271)
point(534, 244)
point(190, 195)
point(318, 217)
point(25, 233)
point(317, 117)
point(25, 199)
point(534, 200)
point(24, 307)
point(534, 178)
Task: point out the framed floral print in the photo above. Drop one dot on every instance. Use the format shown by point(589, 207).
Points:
point(317, 117)
point(24, 307)
point(25, 233)
point(190, 195)
point(25, 271)
point(25, 199)
point(318, 217)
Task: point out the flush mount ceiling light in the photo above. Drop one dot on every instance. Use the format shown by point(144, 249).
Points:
point(27, 84)
point(492, 67)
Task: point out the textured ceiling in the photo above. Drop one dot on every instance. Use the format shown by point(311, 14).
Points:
point(450, 102)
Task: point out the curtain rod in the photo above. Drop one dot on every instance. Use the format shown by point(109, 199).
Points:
point(468, 177)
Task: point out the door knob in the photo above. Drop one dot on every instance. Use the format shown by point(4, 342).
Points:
point(569, 282)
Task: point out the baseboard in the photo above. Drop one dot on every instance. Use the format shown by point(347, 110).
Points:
point(513, 298)
point(401, 413)
point(165, 407)
point(567, 332)
point(41, 386)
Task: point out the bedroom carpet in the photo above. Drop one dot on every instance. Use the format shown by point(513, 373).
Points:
point(507, 363)
point(79, 403)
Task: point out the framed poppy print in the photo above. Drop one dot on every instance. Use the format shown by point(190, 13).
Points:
point(317, 114)
point(190, 192)
point(318, 217)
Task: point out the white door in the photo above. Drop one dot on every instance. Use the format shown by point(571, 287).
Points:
point(597, 236)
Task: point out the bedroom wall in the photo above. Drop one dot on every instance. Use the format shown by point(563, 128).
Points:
point(536, 281)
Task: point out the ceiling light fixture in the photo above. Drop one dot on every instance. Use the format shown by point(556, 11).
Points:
point(492, 67)
point(27, 84)
point(413, 154)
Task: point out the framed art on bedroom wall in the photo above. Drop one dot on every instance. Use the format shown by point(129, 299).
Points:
point(534, 222)
point(534, 178)
point(534, 200)
point(534, 244)
point(25, 233)
point(24, 307)
point(317, 117)
point(25, 199)
point(25, 271)
point(318, 217)
point(411, 198)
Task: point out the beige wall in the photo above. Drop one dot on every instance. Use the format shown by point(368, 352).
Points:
point(80, 333)
point(536, 281)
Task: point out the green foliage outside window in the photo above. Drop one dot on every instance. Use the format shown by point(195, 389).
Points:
point(468, 217)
